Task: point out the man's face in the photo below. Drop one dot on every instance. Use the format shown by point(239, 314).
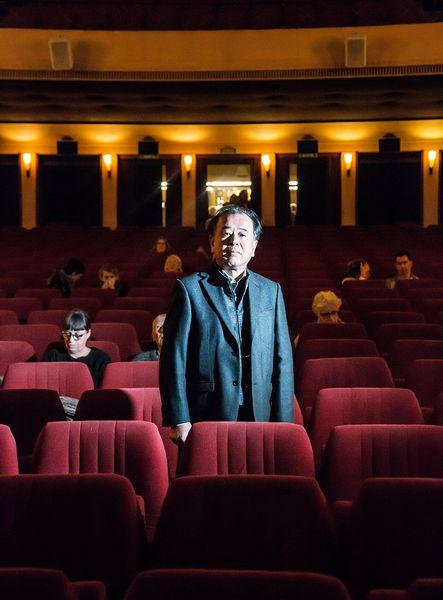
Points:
point(233, 244)
point(403, 266)
point(157, 330)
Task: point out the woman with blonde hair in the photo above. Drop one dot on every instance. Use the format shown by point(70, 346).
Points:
point(173, 264)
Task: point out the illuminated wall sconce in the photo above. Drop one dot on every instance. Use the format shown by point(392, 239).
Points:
point(27, 157)
point(187, 160)
point(432, 155)
point(107, 161)
point(266, 162)
point(347, 157)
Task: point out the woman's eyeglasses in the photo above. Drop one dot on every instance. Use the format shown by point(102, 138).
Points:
point(76, 335)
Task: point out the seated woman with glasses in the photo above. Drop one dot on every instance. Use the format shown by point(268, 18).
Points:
point(76, 332)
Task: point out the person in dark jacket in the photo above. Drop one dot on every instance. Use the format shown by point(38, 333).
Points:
point(65, 279)
point(226, 353)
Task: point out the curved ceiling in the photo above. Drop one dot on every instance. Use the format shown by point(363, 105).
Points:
point(359, 99)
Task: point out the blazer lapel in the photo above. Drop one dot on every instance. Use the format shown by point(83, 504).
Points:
point(258, 302)
point(214, 292)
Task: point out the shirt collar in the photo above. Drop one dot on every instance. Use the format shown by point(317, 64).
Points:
point(224, 277)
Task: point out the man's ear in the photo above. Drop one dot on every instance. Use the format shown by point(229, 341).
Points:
point(254, 246)
point(211, 242)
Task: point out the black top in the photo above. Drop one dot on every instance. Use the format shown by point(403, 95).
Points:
point(96, 361)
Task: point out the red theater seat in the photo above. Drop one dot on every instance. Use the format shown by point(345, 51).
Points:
point(8, 317)
point(47, 317)
point(153, 305)
point(425, 379)
point(66, 378)
point(21, 306)
point(319, 373)
point(111, 349)
point(48, 584)
point(389, 333)
point(90, 305)
point(245, 522)
point(105, 297)
point(405, 352)
point(141, 320)
point(39, 336)
point(123, 334)
point(201, 584)
point(26, 412)
point(83, 525)
point(128, 404)
point(130, 448)
point(333, 348)
point(12, 352)
point(131, 375)
point(421, 589)
point(317, 331)
point(380, 317)
point(8, 452)
point(355, 453)
point(395, 534)
point(438, 410)
point(43, 294)
point(352, 406)
point(246, 448)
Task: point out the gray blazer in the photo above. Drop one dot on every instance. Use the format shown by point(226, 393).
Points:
point(200, 362)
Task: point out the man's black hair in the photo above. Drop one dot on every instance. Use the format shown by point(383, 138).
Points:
point(403, 253)
point(232, 209)
point(74, 265)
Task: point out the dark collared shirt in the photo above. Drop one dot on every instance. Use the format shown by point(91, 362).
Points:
point(236, 298)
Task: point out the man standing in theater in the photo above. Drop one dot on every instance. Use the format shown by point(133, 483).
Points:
point(226, 352)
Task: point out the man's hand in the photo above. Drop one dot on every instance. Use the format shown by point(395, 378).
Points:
point(179, 433)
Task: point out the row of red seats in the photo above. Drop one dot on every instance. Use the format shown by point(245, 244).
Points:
point(26, 411)
point(89, 527)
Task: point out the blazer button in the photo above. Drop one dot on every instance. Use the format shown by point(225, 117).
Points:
point(235, 382)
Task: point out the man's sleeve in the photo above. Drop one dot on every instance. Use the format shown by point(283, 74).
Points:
point(282, 408)
point(173, 359)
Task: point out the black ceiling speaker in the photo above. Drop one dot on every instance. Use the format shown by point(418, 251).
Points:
point(307, 147)
point(67, 146)
point(148, 148)
point(389, 143)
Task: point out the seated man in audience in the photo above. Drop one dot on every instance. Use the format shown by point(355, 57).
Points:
point(157, 338)
point(76, 332)
point(325, 306)
point(65, 279)
point(357, 270)
point(403, 267)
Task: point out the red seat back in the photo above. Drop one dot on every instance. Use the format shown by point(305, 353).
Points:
point(425, 379)
point(141, 320)
point(404, 352)
point(8, 452)
point(197, 584)
point(45, 317)
point(111, 349)
point(90, 305)
point(396, 533)
point(123, 334)
point(389, 333)
point(131, 375)
point(352, 406)
point(26, 412)
point(66, 378)
point(319, 373)
point(130, 448)
point(39, 336)
point(11, 352)
point(223, 521)
point(355, 453)
point(247, 448)
point(84, 525)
